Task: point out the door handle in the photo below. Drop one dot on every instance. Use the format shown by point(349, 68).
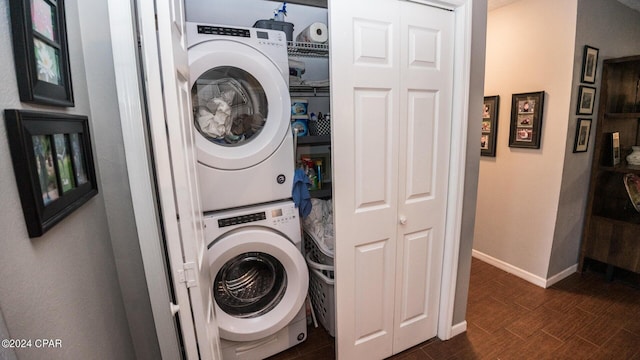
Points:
point(403, 220)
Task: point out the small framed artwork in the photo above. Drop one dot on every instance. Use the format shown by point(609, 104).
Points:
point(526, 120)
point(489, 126)
point(583, 130)
point(586, 99)
point(589, 64)
point(611, 149)
point(40, 52)
point(52, 163)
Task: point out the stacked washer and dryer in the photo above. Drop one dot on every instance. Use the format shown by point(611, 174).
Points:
point(241, 106)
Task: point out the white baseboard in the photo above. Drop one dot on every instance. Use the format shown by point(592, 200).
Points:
point(525, 275)
point(561, 275)
point(458, 328)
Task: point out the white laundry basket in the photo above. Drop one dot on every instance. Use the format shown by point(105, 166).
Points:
point(321, 283)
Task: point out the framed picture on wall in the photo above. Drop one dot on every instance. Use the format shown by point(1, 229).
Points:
point(586, 99)
point(489, 126)
point(526, 120)
point(589, 64)
point(52, 163)
point(40, 52)
point(583, 130)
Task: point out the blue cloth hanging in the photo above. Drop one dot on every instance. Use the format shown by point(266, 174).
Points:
point(300, 192)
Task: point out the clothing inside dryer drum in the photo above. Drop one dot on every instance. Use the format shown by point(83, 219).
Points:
point(250, 285)
point(229, 106)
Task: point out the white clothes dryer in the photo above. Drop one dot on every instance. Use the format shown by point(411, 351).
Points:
point(260, 279)
point(241, 109)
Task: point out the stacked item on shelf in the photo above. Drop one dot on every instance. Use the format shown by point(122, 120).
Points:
point(296, 69)
point(299, 117)
point(316, 32)
point(319, 249)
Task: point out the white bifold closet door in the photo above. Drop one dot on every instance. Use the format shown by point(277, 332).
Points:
point(392, 80)
point(175, 160)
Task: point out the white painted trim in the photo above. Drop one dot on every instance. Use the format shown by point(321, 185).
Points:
point(523, 274)
point(461, 83)
point(562, 275)
point(458, 328)
point(443, 4)
point(132, 118)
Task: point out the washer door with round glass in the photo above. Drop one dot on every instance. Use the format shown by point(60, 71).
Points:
point(241, 104)
point(260, 282)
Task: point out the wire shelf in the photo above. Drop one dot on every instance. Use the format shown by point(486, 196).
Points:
point(307, 49)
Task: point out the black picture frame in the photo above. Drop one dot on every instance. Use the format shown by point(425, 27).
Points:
point(52, 163)
point(586, 100)
point(589, 64)
point(583, 132)
point(40, 52)
point(489, 126)
point(527, 111)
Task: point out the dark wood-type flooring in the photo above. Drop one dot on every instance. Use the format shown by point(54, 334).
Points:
point(581, 317)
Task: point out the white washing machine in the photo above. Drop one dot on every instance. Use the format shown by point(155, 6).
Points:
point(242, 109)
point(260, 279)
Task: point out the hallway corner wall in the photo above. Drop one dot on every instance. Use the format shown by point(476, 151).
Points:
point(530, 47)
point(615, 30)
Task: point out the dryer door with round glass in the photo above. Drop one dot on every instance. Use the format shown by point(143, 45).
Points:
point(260, 282)
point(241, 105)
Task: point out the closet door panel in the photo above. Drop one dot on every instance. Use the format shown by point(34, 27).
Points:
point(364, 112)
point(415, 276)
point(421, 123)
point(373, 148)
point(426, 63)
point(371, 287)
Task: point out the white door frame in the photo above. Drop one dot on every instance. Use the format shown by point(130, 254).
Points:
point(141, 179)
point(463, 10)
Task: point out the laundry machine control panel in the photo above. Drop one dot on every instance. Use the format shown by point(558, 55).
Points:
point(261, 37)
point(220, 30)
point(242, 219)
point(273, 217)
point(282, 216)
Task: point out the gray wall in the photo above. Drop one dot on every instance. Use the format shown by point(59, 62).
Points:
point(65, 284)
point(476, 98)
point(615, 30)
point(5, 353)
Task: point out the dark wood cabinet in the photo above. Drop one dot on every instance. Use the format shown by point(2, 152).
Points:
point(612, 225)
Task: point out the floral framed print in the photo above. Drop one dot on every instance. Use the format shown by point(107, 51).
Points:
point(583, 130)
point(526, 120)
point(489, 126)
point(589, 64)
point(586, 99)
point(52, 163)
point(40, 52)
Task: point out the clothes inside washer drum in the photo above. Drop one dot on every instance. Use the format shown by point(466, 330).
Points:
point(229, 106)
point(250, 285)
